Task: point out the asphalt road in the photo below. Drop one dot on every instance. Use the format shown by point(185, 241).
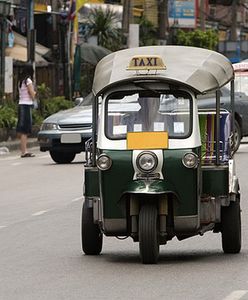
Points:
point(40, 250)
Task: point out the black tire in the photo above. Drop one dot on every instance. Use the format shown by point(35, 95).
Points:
point(91, 234)
point(231, 227)
point(236, 137)
point(62, 157)
point(148, 234)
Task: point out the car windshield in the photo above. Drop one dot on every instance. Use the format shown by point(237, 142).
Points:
point(148, 111)
point(87, 100)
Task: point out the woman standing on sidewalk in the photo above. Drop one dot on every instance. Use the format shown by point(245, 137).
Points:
point(26, 97)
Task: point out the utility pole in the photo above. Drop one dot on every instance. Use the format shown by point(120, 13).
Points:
point(2, 57)
point(55, 49)
point(31, 36)
point(234, 21)
point(4, 12)
point(202, 15)
point(163, 22)
point(126, 16)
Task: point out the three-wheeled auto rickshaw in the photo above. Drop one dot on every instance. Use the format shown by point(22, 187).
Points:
point(156, 166)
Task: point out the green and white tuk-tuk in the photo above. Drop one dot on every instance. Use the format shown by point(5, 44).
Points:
point(156, 167)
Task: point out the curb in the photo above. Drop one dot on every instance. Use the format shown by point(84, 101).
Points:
point(13, 145)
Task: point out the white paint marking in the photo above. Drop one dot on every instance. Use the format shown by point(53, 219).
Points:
point(2, 226)
point(236, 295)
point(11, 158)
point(43, 156)
point(76, 199)
point(16, 164)
point(39, 213)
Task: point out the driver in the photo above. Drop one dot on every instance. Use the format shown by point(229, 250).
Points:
point(146, 118)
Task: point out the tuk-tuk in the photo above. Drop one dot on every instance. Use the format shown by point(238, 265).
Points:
point(156, 166)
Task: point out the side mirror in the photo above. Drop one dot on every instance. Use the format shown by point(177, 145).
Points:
point(78, 101)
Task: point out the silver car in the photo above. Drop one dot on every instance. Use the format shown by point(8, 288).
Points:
point(64, 134)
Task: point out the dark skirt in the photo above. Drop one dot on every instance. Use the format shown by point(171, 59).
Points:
point(24, 123)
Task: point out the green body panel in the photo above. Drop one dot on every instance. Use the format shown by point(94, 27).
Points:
point(177, 179)
point(215, 181)
point(114, 181)
point(185, 181)
point(91, 182)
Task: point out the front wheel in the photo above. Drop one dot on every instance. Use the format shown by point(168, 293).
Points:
point(231, 227)
point(148, 234)
point(91, 234)
point(62, 157)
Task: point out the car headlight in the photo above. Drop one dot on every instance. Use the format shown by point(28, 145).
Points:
point(49, 126)
point(104, 162)
point(147, 161)
point(190, 160)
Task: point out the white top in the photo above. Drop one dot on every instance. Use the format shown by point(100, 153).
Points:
point(201, 70)
point(24, 96)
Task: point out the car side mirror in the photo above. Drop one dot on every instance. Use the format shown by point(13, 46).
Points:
point(78, 101)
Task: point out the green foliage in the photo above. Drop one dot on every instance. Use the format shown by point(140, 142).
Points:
point(198, 38)
point(103, 24)
point(37, 117)
point(43, 91)
point(52, 105)
point(47, 106)
point(148, 33)
point(8, 116)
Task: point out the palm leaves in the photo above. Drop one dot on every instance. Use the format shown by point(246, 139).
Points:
point(104, 25)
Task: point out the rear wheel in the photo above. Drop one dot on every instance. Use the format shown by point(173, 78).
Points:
point(236, 136)
point(91, 234)
point(148, 234)
point(231, 227)
point(62, 157)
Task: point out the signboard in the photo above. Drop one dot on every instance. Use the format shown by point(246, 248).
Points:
point(182, 13)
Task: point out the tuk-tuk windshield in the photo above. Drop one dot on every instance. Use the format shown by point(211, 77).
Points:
point(148, 111)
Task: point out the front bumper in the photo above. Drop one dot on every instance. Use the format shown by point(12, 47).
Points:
point(52, 142)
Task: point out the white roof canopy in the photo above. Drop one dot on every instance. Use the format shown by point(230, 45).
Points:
point(200, 69)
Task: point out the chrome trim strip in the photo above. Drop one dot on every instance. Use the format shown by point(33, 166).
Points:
point(233, 179)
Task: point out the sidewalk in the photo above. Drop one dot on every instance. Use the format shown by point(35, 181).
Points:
point(13, 145)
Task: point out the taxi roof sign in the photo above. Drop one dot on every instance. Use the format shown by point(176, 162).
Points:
point(146, 62)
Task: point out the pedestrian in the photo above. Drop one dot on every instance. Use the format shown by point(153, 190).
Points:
point(25, 105)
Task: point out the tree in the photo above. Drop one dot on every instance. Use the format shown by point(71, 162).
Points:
point(104, 25)
point(148, 33)
point(203, 39)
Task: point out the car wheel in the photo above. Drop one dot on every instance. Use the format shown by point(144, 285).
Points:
point(231, 227)
point(62, 157)
point(236, 137)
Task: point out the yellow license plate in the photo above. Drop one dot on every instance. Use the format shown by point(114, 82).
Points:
point(147, 140)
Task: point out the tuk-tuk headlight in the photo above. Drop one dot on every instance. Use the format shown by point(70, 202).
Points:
point(104, 162)
point(147, 161)
point(190, 160)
